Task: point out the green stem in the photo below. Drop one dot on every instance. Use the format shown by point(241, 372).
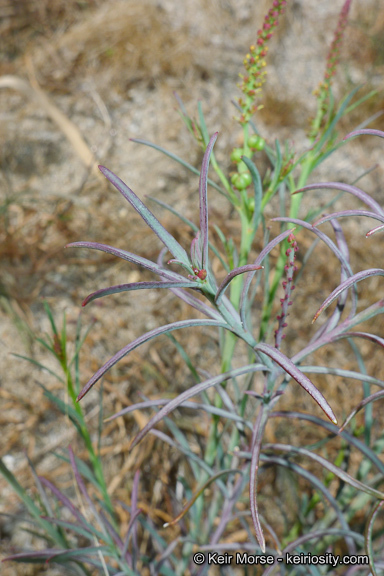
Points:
point(95, 460)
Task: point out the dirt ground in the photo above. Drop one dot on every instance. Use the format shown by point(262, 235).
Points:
point(77, 81)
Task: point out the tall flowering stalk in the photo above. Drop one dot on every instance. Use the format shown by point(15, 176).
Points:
point(323, 91)
point(288, 286)
point(255, 63)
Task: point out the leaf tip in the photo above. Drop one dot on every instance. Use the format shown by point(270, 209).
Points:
point(316, 316)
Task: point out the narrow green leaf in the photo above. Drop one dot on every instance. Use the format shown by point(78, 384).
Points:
point(167, 239)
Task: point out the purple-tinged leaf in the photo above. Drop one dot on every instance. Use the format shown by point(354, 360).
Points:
point(346, 213)
point(43, 495)
point(257, 262)
point(197, 304)
point(81, 554)
point(333, 320)
point(192, 226)
point(186, 267)
point(45, 554)
point(325, 339)
point(167, 239)
point(365, 131)
point(349, 438)
point(343, 247)
point(87, 497)
point(111, 531)
point(343, 373)
point(371, 232)
point(253, 476)
point(312, 479)
point(368, 537)
point(191, 456)
point(89, 533)
point(364, 402)
point(65, 501)
point(130, 258)
point(196, 256)
point(157, 269)
point(339, 253)
point(315, 535)
point(198, 493)
point(193, 405)
point(131, 525)
point(372, 337)
point(363, 196)
point(323, 237)
point(367, 314)
point(137, 286)
point(345, 285)
point(241, 270)
point(132, 529)
point(197, 389)
point(293, 371)
point(157, 567)
point(344, 477)
point(228, 513)
point(203, 239)
point(141, 340)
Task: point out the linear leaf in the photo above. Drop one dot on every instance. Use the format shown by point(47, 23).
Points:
point(344, 477)
point(179, 160)
point(365, 131)
point(33, 510)
point(371, 398)
point(198, 493)
point(186, 404)
point(349, 438)
point(373, 231)
point(345, 285)
point(241, 270)
point(312, 478)
point(197, 389)
point(346, 213)
point(368, 536)
point(137, 286)
point(258, 433)
point(363, 196)
point(167, 239)
point(293, 371)
point(139, 260)
point(145, 338)
point(66, 502)
point(343, 373)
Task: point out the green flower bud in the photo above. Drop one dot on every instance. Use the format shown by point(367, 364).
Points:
point(256, 142)
point(236, 155)
point(241, 181)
